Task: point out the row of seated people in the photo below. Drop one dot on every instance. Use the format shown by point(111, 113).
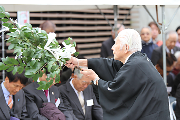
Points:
point(74, 100)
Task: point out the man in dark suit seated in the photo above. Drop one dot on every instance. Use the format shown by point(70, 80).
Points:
point(78, 95)
point(35, 99)
point(13, 104)
point(171, 38)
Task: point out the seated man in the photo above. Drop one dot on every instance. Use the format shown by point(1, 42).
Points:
point(78, 95)
point(13, 104)
point(35, 99)
point(171, 39)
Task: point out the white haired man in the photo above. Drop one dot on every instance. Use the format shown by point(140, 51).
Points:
point(171, 39)
point(134, 90)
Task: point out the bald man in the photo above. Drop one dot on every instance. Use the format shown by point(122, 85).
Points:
point(147, 42)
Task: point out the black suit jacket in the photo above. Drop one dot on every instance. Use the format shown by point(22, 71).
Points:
point(19, 106)
point(35, 98)
point(158, 53)
point(106, 50)
point(71, 101)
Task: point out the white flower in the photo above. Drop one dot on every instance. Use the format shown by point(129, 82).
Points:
point(51, 37)
point(59, 53)
point(39, 30)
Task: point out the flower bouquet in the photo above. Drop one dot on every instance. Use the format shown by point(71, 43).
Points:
point(35, 50)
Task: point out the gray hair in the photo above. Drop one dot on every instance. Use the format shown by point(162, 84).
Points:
point(130, 37)
point(170, 33)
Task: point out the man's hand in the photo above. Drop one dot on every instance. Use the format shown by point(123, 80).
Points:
point(89, 73)
point(72, 63)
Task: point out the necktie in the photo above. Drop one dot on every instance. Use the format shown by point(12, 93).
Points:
point(46, 92)
point(81, 100)
point(10, 104)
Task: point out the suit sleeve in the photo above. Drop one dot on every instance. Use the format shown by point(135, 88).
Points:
point(97, 111)
point(66, 108)
point(24, 113)
point(105, 65)
point(32, 108)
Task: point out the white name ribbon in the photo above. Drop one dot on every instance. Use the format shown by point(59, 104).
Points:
point(90, 102)
point(57, 102)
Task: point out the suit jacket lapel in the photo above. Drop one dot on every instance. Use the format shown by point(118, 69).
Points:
point(51, 94)
point(74, 97)
point(3, 105)
point(40, 93)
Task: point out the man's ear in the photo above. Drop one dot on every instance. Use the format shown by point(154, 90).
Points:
point(73, 75)
point(126, 48)
point(7, 79)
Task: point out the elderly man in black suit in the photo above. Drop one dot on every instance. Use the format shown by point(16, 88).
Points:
point(78, 95)
point(13, 103)
point(171, 39)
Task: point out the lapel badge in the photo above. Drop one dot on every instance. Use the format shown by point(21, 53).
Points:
point(18, 100)
point(53, 93)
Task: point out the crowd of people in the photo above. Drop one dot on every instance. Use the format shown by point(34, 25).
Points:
point(128, 87)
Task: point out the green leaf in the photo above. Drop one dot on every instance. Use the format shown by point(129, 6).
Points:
point(69, 38)
point(2, 15)
point(20, 69)
point(52, 75)
point(10, 61)
point(67, 42)
point(20, 60)
point(3, 67)
point(17, 50)
point(32, 62)
point(4, 20)
point(76, 54)
point(13, 34)
point(25, 53)
point(22, 64)
point(42, 85)
point(7, 24)
point(74, 44)
point(11, 46)
point(30, 72)
point(57, 79)
point(15, 70)
point(49, 65)
point(27, 30)
point(7, 14)
point(28, 25)
point(12, 30)
point(2, 9)
point(35, 77)
point(10, 68)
